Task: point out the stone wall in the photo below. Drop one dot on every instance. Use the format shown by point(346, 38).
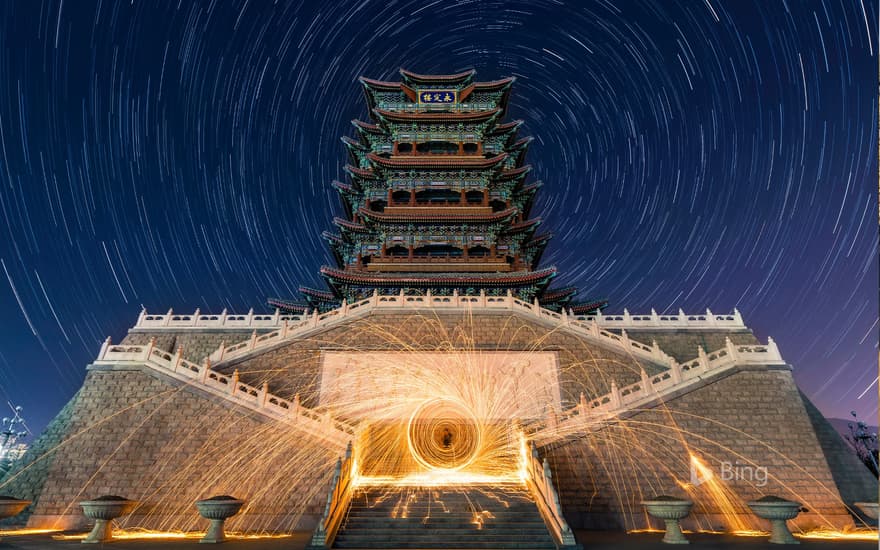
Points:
point(197, 344)
point(682, 344)
point(135, 433)
point(132, 433)
point(584, 366)
point(748, 420)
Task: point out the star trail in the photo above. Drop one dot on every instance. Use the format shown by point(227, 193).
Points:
point(694, 154)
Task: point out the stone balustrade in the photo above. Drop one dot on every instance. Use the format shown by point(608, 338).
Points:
point(305, 325)
point(218, 321)
point(650, 389)
point(229, 387)
point(198, 320)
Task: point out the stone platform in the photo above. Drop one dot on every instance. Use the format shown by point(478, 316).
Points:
point(184, 406)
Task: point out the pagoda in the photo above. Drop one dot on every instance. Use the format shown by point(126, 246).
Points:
point(437, 200)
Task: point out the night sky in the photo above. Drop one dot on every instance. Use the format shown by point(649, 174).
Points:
point(179, 154)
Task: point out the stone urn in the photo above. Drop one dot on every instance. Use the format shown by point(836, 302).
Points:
point(670, 510)
point(11, 506)
point(217, 510)
point(868, 508)
point(104, 510)
point(777, 511)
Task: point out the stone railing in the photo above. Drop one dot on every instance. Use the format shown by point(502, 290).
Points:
point(222, 320)
point(338, 501)
point(305, 325)
point(650, 389)
point(681, 319)
point(540, 483)
point(625, 321)
point(229, 387)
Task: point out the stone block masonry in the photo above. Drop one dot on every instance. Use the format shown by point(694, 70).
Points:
point(136, 433)
point(133, 434)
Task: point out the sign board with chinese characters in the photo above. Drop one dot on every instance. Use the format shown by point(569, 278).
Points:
point(438, 96)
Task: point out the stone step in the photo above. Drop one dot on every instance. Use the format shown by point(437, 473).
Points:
point(439, 545)
point(443, 518)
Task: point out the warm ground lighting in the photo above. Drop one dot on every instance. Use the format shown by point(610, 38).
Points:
point(135, 534)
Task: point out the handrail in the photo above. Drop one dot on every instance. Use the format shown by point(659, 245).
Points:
point(652, 388)
point(229, 387)
point(338, 500)
point(321, 321)
point(250, 320)
point(540, 482)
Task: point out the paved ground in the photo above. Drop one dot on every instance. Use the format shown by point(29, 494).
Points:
point(591, 540)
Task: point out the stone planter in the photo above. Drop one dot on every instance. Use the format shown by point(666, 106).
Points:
point(104, 510)
point(670, 510)
point(868, 508)
point(777, 511)
point(11, 506)
point(217, 510)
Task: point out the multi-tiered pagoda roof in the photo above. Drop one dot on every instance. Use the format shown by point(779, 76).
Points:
point(437, 199)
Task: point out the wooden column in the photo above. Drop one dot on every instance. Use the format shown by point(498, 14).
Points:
point(485, 197)
point(462, 196)
point(410, 252)
point(412, 197)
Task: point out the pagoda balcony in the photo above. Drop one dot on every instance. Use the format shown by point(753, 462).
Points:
point(437, 264)
point(444, 207)
point(438, 107)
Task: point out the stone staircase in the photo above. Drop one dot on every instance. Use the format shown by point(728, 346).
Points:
point(498, 516)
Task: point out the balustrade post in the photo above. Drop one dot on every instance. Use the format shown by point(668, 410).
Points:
point(168, 317)
point(675, 371)
point(234, 382)
point(598, 317)
point(482, 297)
point(264, 394)
point(315, 317)
point(627, 319)
point(656, 352)
point(253, 343)
point(683, 316)
point(223, 316)
point(624, 339)
point(250, 317)
point(285, 327)
point(177, 357)
point(564, 317)
point(221, 351)
point(276, 317)
point(702, 358)
point(195, 320)
point(104, 347)
point(737, 317)
point(206, 367)
point(655, 319)
point(375, 299)
point(296, 406)
point(710, 317)
point(594, 328)
point(772, 349)
point(646, 381)
point(343, 309)
point(583, 406)
point(148, 349)
point(141, 317)
point(731, 349)
point(536, 306)
point(615, 395)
